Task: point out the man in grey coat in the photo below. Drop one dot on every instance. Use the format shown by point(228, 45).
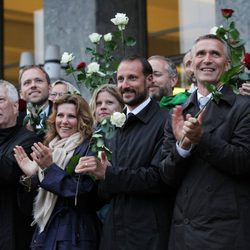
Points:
point(207, 160)
point(140, 207)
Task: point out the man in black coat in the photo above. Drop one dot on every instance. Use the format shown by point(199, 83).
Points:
point(140, 208)
point(207, 160)
point(15, 229)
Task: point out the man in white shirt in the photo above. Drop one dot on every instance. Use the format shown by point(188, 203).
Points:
point(206, 158)
point(140, 208)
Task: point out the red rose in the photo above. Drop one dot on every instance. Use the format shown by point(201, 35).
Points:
point(227, 12)
point(81, 65)
point(246, 60)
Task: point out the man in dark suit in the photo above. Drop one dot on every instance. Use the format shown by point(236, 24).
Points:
point(140, 208)
point(207, 160)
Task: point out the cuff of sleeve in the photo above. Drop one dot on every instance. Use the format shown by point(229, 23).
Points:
point(183, 152)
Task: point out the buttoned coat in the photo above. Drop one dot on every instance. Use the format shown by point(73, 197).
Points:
point(140, 209)
point(212, 207)
point(15, 230)
point(71, 226)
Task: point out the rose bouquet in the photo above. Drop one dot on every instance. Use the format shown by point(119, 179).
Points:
point(103, 53)
point(240, 61)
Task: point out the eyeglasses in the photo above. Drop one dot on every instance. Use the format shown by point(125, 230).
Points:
point(54, 94)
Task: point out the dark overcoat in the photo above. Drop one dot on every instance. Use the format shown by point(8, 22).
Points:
point(15, 230)
point(213, 199)
point(140, 209)
point(71, 226)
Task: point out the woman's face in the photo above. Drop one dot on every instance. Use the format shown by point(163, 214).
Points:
point(106, 104)
point(66, 120)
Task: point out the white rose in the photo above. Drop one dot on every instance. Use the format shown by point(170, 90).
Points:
point(214, 30)
point(95, 37)
point(66, 57)
point(107, 37)
point(121, 20)
point(118, 119)
point(94, 68)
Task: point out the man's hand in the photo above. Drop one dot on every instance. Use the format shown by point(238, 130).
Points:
point(28, 167)
point(245, 88)
point(186, 131)
point(192, 128)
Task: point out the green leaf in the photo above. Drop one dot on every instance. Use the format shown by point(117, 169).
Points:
point(70, 168)
point(130, 42)
point(89, 50)
point(225, 77)
point(215, 92)
point(81, 77)
point(26, 120)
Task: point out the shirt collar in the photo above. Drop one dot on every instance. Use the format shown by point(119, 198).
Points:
point(140, 107)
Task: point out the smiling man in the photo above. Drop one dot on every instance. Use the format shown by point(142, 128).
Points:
point(34, 88)
point(140, 208)
point(207, 159)
point(165, 77)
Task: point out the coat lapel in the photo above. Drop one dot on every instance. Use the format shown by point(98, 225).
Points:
point(215, 113)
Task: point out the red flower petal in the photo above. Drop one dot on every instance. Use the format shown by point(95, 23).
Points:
point(246, 60)
point(81, 65)
point(227, 12)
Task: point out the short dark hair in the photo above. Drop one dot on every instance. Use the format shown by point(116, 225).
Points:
point(146, 67)
point(34, 67)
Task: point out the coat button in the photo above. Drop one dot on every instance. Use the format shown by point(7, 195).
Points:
point(209, 189)
point(186, 221)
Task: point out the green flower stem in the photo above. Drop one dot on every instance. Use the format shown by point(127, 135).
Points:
point(73, 74)
point(123, 45)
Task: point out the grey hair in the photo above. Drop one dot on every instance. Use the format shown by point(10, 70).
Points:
point(170, 65)
point(213, 37)
point(12, 92)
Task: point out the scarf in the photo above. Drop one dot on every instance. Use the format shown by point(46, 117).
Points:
point(62, 151)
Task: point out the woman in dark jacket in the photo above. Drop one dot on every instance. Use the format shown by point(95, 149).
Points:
point(64, 209)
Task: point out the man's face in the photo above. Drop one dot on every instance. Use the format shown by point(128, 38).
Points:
point(209, 61)
point(163, 83)
point(8, 110)
point(34, 86)
point(132, 83)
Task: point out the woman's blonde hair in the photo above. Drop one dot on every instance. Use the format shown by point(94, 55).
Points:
point(112, 90)
point(83, 114)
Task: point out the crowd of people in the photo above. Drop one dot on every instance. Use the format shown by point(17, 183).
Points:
point(178, 176)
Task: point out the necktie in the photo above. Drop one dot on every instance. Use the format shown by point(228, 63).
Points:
point(203, 101)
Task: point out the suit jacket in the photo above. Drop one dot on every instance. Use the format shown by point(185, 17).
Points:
point(140, 209)
point(213, 199)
